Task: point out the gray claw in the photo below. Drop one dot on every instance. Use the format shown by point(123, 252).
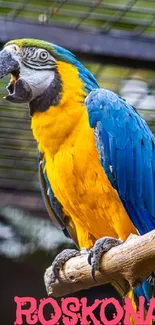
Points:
point(90, 255)
point(151, 280)
point(101, 246)
point(59, 262)
point(93, 270)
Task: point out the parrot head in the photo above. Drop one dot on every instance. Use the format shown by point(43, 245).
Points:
point(33, 65)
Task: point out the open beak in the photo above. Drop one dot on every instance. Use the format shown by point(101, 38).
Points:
point(18, 89)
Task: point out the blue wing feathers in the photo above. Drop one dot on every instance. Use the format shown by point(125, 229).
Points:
point(129, 148)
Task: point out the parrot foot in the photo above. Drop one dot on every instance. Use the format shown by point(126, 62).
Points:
point(59, 262)
point(101, 246)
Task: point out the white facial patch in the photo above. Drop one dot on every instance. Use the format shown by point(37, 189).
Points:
point(38, 80)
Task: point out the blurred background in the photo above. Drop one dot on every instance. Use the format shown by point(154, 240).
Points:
point(115, 39)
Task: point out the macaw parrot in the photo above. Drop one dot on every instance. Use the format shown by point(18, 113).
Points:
point(96, 153)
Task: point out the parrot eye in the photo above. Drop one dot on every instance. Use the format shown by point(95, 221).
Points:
point(43, 55)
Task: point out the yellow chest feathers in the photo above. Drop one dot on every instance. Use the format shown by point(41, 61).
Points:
point(73, 165)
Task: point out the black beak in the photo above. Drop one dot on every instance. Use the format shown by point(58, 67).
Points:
point(19, 91)
point(7, 63)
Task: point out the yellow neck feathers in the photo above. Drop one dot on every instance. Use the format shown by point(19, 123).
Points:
point(58, 122)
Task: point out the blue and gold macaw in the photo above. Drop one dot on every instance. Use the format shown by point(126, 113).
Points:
point(95, 155)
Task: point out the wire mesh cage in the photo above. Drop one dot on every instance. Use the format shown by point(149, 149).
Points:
point(131, 16)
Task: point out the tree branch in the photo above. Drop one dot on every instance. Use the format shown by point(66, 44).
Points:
point(132, 261)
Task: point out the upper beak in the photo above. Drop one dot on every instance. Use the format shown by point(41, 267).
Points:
point(19, 90)
point(7, 63)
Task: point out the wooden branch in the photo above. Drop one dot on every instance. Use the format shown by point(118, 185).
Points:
point(133, 261)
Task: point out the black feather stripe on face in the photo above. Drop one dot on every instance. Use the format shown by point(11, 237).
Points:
point(37, 58)
point(50, 97)
point(38, 67)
